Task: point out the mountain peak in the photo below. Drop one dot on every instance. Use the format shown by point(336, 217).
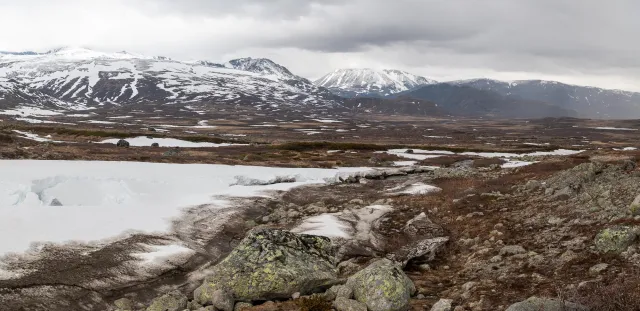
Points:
point(262, 66)
point(358, 82)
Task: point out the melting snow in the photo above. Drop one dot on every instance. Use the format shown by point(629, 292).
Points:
point(613, 128)
point(144, 141)
point(107, 199)
point(30, 112)
point(162, 253)
point(417, 188)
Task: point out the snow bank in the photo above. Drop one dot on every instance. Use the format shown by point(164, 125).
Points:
point(29, 112)
point(350, 224)
point(159, 254)
point(106, 199)
point(415, 189)
point(144, 141)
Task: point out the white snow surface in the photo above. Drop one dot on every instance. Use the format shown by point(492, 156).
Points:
point(613, 128)
point(350, 224)
point(413, 189)
point(366, 80)
point(29, 112)
point(144, 141)
point(161, 253)
point(105, 200)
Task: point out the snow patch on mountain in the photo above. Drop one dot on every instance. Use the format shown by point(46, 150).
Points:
point(370, 82)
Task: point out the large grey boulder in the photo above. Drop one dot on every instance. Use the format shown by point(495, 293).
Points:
point(382, 286)
point(272, 264)
point(425, 250)
point(537, 304)
point(173, 301)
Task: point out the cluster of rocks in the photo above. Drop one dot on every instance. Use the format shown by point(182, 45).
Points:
point(379, 174)
point(271, 264)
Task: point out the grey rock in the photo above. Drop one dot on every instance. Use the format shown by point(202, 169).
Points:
point(442, 305)
point(598, 269)
point(537, 304)
point(615, 239)
point(425, 250)
point(242, 306)
point(511, 250)
point(634, 208)
point(349, 267)
point(341, 291)
point(123, 304)
point(273, 264)
point(382, 286)
point(173, 301)
point(155, 145)
point(222, 300)
point(172, 152)
point(207, 308)
point(122, 143)
point(344, 304)
point(55, 202)
point(295, 295)
point(423, 226)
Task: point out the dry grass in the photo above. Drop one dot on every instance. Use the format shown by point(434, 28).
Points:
point(621, 295)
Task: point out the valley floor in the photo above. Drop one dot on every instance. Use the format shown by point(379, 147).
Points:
point(522, 203)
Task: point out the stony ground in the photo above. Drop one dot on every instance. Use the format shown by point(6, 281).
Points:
point(565, 227)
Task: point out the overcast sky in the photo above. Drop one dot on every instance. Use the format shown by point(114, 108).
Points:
point(589, 42)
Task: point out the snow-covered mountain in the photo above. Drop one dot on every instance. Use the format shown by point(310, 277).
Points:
point(370, 83)
point(588, 102)
point(81, 77)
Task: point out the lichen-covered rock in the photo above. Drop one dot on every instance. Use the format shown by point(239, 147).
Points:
point(123, 304)
point(173, 301)
point(340, 291)
point(537, 304)
point(345, 304)
point(222, 300)
point(382, 286)
point(616, 239)
point(273, 264)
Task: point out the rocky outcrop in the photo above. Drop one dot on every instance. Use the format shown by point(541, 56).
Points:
point(272, 264)
point(382, 286)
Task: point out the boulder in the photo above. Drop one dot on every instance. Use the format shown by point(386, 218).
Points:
point(222, 300)
point(382, 286)
point(55, 202)
point(615, 239)
point(344, 304)
point(442, 305)
point(340, 291)
point(425, 250)
point(123, 304)
point(511, 250)
point(155, 145)
point(122, 143)
point(537, 304)
point(273, 264)
point(173, 301)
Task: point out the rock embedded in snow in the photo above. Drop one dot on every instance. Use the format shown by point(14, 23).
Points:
point(55, 202)
point(272, 264)
point(122, 143)
point(155, 145)
point(382, 286)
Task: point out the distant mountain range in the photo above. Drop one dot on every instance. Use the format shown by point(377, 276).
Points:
point(529, 98)
point(80, 79)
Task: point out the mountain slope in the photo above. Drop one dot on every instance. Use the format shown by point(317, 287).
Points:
point(462, 100)
point(370, 83)
point(588, 102)
point(14, 94)
point(84, 77)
